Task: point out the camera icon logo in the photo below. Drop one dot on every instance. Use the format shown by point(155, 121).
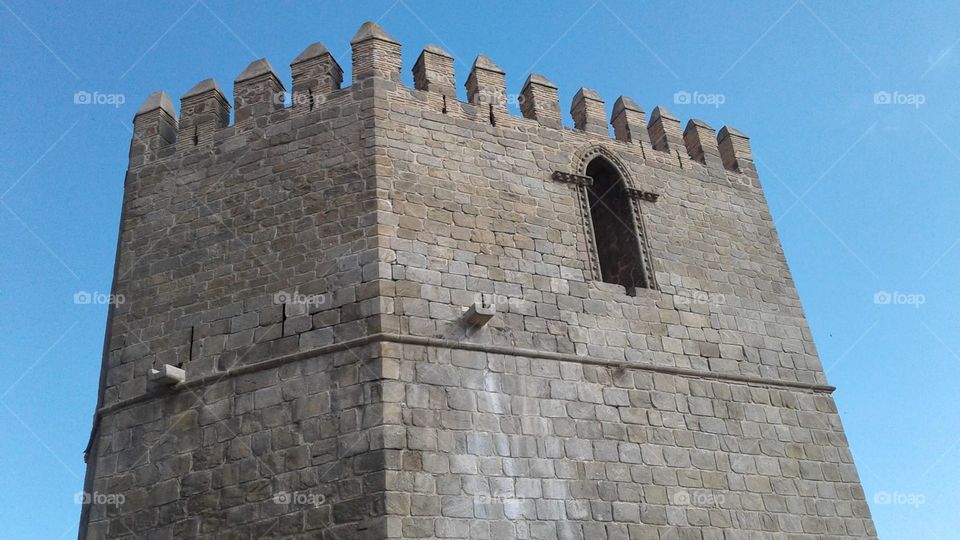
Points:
point(882, 298)
point(882, 98)
point(682, 97)
point(82, 98)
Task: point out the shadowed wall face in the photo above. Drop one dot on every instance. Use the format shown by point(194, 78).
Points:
point(617, 243)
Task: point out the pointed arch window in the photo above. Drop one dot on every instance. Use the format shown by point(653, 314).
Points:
point(610, 206)
point(617, 227)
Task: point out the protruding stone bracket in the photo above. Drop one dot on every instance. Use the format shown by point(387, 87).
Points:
point(571, 178)
point(480, 313)
point(167, 374)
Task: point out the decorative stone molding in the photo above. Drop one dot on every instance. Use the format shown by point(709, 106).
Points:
point(570, 178)
point(638, 194)
point(583, 158)
point(650, 281)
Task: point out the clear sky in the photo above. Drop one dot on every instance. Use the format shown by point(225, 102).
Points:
point(851, 107)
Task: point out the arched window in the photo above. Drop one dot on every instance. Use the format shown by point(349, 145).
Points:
point(614, 227)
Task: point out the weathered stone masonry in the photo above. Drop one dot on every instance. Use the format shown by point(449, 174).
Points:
point(309, 268)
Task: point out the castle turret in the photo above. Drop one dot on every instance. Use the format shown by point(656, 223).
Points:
point(384, 312)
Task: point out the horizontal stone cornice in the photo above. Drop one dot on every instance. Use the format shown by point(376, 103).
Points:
point(462, 345)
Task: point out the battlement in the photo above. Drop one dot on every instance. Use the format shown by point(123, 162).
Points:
point(259, 99)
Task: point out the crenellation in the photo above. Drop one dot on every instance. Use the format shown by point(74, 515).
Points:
point(587, 110)
point(316, 74)
point(257, 91)
point(203, 110)
point(487, 90)
point(434, 72)
point(629, 122)
point(664, 130)
point(375, 54)
point(734, 148)
point(154, 127)
point(701, 143)
point(539, 101)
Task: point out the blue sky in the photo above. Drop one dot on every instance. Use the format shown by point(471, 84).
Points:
point(851, 107)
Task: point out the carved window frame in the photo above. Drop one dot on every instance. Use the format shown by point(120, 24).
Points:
point(582, 183)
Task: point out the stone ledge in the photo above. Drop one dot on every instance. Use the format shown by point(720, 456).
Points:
point(451, 344)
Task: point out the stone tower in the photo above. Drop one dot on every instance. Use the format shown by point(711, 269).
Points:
point(399, 315)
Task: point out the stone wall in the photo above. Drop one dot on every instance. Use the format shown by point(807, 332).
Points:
point(309, 267)
point(477, 212)
point(242, 259)
point(509, 446)
point(583, 409)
